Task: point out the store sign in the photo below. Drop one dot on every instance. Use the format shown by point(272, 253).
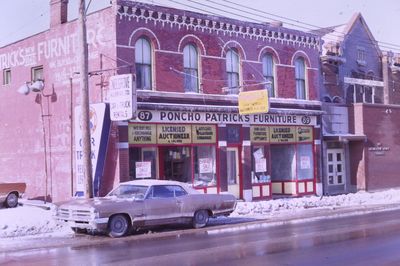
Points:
point(192, 117)
point(121, 97)
point(142, 134)
point(204, 133)
point(304, 134)
point(364, 82)
point(283, 134)
point(99, 133)
point(259, 134)
point(143, 169)
point(174, 134)
point(205, 165)
point(253, 102)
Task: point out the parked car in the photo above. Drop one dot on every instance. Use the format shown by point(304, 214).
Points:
point(10, 192)
point(144, 203)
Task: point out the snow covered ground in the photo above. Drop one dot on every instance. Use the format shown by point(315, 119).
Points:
point(32, 221)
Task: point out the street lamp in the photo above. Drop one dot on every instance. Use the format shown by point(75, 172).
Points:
point(37, 86)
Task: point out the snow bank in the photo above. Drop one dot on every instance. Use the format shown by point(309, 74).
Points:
point(30, 221)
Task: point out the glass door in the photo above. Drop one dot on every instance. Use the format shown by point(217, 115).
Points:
point(335, 167)
point(232, 170)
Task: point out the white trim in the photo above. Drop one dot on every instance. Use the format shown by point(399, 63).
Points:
point(222, 143)
point(167, 52)
point(191, 36)
point(276, 54)
point(246, 143)
point(252, 61)
point(122, 123)
point(237, 43)
point(301, 52)
point(212, 57)
point(125, 46)
point(123, 145)
point(145, 29)
point(284, 65)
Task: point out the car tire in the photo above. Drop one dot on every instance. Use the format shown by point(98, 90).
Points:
point(200, 218)
point(11, 200)
point(118, 226)
point(79, 230)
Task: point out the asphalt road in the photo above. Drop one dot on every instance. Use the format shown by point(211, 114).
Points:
point(370, 239)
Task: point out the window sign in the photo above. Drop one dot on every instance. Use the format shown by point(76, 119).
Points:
point(283, 134)
point(143, 169)
point(174, 134)
point(203, 133)
point(142, 134)
point(205, 165)
point(261, 165)
point(305, 162)
point(304, 134)
point(258, 154)
point(259, 134)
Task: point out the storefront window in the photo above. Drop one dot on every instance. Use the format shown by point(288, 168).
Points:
point(305, 164)
point(204, 166)
point(283, 166)
point(177, 164)
point(143, 162)
point(259, 165)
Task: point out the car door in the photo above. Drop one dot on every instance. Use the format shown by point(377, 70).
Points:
point(161, 205)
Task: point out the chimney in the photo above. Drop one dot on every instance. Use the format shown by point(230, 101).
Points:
point(58, 12)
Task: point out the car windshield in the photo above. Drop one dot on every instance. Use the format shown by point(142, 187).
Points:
point(129, 191)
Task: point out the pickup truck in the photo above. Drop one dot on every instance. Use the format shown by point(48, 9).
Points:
point(10, 192)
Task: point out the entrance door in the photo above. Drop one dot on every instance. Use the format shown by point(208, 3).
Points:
point(335, 166)
point(232, 170)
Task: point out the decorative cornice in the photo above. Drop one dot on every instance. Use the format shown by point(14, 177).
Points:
point(211, 25)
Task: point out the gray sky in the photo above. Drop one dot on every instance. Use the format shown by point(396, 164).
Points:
point(27, 17)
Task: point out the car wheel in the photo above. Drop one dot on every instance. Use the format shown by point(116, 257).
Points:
point(11, 200)
point(118, 226)
point(200, 218)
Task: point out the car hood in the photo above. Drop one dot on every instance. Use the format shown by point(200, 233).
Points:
point(97, 203)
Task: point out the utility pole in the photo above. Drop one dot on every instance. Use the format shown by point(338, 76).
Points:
point(87, 163)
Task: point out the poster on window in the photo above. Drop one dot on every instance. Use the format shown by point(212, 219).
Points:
point(261, 165)
point(258, 154)
point(305, 162)
point(205, 165)
point(143, 169)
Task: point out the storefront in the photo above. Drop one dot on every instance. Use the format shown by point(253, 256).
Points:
point(250, 156)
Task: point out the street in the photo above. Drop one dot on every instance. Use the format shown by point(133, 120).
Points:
point(370, 239)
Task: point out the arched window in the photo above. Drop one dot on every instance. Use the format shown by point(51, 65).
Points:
point(143, 64)
point(190, 67)
point(269, 73)
point(232, 69)
point(300, 72)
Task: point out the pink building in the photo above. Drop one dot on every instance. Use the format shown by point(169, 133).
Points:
point(189, 69)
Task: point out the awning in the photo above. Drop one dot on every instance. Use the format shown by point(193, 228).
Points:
point(344, 137)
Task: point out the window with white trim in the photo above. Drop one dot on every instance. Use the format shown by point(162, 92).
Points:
point(269, 73)
point(37, 73)
point(232, 70)
point(143, 64)
point(190, 68)
point(300, 74)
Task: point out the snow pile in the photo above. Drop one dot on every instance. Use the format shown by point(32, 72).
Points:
point(32, 221)
point(264, 209)
point(27, 221)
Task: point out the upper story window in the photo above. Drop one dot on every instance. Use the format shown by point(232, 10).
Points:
point(143, 64)
point(361, 56)
point(6, 76)
point(190, 65)
point(37, 73)
point(300, 73)
point(232, 70)
point(269, 73)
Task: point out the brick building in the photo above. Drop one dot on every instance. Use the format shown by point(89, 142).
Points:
point(189, 69)
point(360, 94)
